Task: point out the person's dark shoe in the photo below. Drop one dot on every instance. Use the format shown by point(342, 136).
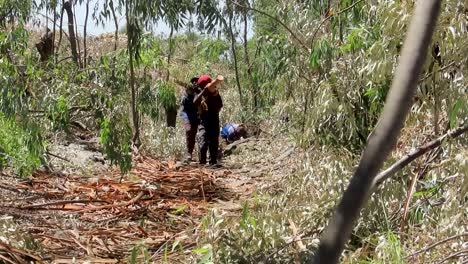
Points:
point(188, 158)
point(215, 166)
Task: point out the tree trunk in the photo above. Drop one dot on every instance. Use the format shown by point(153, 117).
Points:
point(116, 24)
point(385, 135)
point(85, 57)
point(54, 28)
point(77, 36)
point(249, 66)
point(234, 54)
point(61, 32)
point(71, 31)
point(134, 108)
point(169, 55)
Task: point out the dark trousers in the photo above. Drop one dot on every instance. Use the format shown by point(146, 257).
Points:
point(209, 140)
point(190, 135)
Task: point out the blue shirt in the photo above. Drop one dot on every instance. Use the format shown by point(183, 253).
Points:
point(229, 132)
point(189, 109)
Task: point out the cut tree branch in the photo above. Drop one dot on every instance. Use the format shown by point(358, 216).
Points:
point(417, 153)
point(436, 244)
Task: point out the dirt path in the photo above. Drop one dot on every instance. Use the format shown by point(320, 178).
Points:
point(88, 213)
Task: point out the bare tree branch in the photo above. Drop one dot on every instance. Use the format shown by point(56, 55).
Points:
point(436, 244)
point(294, 35)
point(330, 16)
point(415, 154)
point(386, 132)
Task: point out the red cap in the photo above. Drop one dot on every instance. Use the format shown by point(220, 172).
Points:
point(203, 81)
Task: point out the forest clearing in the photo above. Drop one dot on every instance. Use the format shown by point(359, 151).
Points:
point(203, 131)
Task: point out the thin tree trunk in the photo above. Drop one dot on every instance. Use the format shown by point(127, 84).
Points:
point(249, 66)
point(85, 60)
point(77, 36)
point(54, 28)
point(169, 55)
point(61, 32)
point(135, 115)
point(436, 104)
point(116, 24)
point(171, 112)
point(71, 31)
point(385, 135)
point(234, 54)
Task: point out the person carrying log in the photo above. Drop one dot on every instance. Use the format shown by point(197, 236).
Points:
point(189, 116)
point(209, 103)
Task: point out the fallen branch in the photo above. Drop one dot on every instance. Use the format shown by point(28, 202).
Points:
point(40, 206)
point(57, 156)
point(454, 255)
point(14, 251)
point(132, 201)
point(417, 153)
point(297, 237)
point(436, 244)
point(227, 150)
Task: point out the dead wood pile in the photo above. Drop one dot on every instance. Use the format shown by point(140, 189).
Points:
point(102, 218)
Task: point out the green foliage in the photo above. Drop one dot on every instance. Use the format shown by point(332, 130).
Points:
point(21, 148)
point(212, 50)
point(137, 250)
point(166, 95)
point(115, 136)
point(147, 99)
point(60, 114)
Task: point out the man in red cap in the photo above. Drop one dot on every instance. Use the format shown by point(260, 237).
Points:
point(210, 104)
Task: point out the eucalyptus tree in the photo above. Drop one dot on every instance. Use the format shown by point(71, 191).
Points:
point(142, 15)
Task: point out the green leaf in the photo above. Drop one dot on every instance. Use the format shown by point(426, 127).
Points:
point(133, 255)
point(202, 250)
point(454, 112)
point(179, 210)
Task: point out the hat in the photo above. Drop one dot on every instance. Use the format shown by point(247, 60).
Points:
point(203, 81)
point(194, 80)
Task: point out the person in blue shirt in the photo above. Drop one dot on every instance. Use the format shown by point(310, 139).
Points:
point(232, 132)
point(189, 116)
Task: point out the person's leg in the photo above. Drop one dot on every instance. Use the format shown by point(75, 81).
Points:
point(188, 137)
point(214, 144)
point(203, 140)
point(191, 136)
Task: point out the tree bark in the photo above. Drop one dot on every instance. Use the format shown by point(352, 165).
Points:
point(61, 32)
point(385, 135)
point(234, 53)
point(116, 36)
point(134, 108)
point(85, 57)
point(71, 31)
point(54, 28)
point(249, 66)
point(169, 54)
point(77, 36)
